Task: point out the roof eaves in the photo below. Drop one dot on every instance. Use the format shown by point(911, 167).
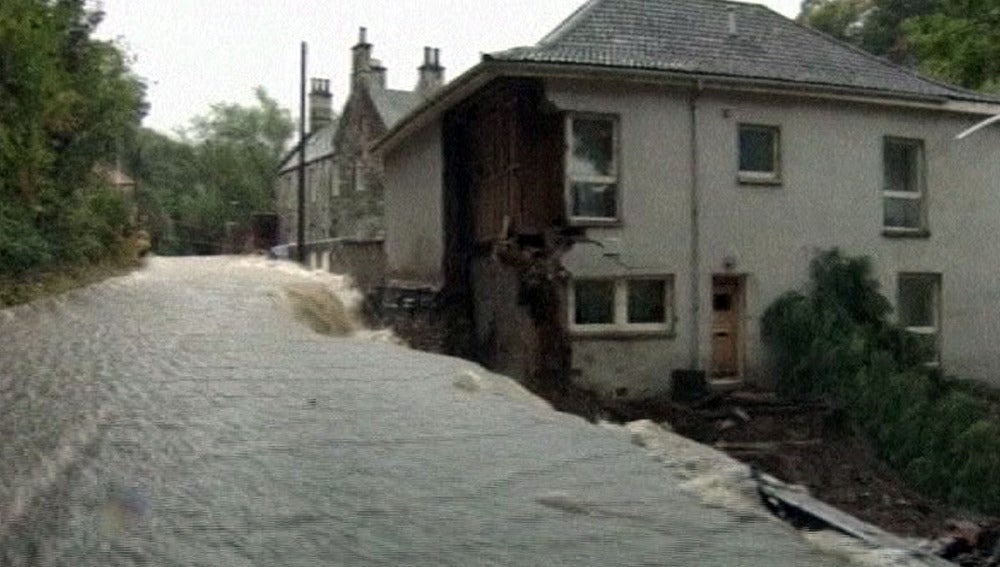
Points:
point(569, 68)
point(295, 149)
point(496, 65)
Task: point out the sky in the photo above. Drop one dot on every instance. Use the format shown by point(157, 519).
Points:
point(194, 53)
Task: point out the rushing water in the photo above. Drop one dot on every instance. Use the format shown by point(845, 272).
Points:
point(183, 415)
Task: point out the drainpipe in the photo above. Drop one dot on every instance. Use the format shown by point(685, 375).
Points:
point(694, 340)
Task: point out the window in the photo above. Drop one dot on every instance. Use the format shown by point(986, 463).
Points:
point(903, 190)
point(360, 185)
point(311, 182)
point(919, 310)
point(592, 169)
point(760, 155)
point(334, 180)
point(632, 304)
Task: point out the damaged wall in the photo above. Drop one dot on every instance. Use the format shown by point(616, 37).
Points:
point(652, 239)
point(503, 200)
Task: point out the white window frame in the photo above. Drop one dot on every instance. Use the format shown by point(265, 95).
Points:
point(569, 179)
point(620, 324)
point(759, 177)
point(920, 195)
point(935, 329)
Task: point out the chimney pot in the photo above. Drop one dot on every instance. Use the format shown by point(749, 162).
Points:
point(431, 72)
point(363, 35)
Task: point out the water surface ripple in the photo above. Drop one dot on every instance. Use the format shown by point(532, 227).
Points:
point(182, 416)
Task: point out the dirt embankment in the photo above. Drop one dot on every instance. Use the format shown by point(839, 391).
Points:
point(38, 284)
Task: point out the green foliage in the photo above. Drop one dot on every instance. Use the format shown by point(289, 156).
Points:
point(200, 191)
point(837, 341)
point(842, 19)
point(877, 26)
point(957, 41)
point(22, 246)
point(95, 226)
point(960, 43)
point(65, 101)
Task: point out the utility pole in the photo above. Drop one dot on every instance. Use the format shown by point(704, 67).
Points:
point(300, 245)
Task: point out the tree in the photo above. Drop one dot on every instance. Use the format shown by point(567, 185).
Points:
point(66, 99)
point(960, 43)
point(200, 191)
point(239, 149)
point(877, 26)
point(842, 19)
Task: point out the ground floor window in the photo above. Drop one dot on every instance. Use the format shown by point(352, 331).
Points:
point(918, 307)
point(615, 304)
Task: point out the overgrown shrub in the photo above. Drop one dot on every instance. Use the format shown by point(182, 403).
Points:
point(837, 341)
point(22, 246)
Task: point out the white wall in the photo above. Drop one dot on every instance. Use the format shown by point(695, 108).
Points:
point(830, 196)
point(414, 188)
point(653, 239)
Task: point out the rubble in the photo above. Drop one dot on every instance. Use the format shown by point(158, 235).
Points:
point(811, 444)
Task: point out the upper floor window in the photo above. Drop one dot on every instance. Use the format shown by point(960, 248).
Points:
point(311, 182)
point(622, 304)
point(760, 153)
point(903, 192)
point(360, 183)
point(918, 306)
point(592, 169)
point(334, 179)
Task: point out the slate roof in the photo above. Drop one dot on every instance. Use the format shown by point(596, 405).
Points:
point(693, 36)
point(319, 144)
point(393, 105)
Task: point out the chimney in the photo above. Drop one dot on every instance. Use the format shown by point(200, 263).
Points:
point(431, 72)
point(376, 75)
point(362, 60)
point(320, 104)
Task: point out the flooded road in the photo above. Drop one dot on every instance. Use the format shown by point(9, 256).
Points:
point(183, 416)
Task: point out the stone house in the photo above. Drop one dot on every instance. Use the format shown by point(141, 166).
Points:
point(624, 199)
point(344, 178)
point(321, 172)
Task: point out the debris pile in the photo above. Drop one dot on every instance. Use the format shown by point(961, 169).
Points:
point(812, 444)
point(970, 544)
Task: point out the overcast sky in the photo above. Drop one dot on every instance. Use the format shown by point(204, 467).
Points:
point(197, 52)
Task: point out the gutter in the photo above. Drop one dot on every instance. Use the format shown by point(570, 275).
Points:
point(694, 341)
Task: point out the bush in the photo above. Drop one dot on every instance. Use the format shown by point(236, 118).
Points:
point(837, 342)
point(93, 230)
point(22, 246)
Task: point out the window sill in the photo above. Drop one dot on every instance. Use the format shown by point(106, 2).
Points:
point(906, 233)
point(621, 333)
point(748, 178)
point(586, 222)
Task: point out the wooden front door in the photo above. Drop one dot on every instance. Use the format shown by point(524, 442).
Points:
point(727, 315)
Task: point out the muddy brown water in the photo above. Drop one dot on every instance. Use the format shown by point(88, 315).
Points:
point(183, 415)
